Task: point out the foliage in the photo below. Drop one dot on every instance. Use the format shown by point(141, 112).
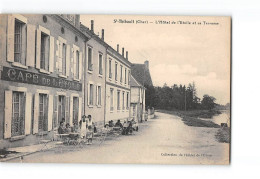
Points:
point(177, 97)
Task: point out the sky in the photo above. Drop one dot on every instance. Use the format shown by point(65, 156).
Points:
point(197, 50)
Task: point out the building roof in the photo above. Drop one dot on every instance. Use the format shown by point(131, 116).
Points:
point(142, 74)
point(134, 82)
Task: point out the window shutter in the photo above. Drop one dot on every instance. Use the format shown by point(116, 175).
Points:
point(71, 110)
point(36, 113)
point(50, 112)
point(30, 59)
point(8, 114)
point(97, 95)
point(10, 38)
point(88, 94)
point(28, 113)
point(57, 55)
point(80, 108)
point(74, 63)
point(60, 57)
point(80, 65)
point(68, 61)
point(100, 96)
point(38, 48)
point(51, 54)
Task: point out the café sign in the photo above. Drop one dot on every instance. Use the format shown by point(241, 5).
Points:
point(17, 75)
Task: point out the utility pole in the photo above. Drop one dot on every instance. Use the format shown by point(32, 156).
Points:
point(185, 100)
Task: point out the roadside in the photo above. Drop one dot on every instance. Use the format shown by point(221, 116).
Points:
point(192, 118)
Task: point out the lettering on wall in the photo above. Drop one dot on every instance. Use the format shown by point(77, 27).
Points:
point(17, 75)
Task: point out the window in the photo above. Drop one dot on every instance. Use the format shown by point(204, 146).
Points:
point(90, 65)
point(64, 59)
point(43, 113)
point(129, 74)
point(75, 110)
point(19, 42)
point(111, 99)
point(127, 100)
point(100, 62)
point(99, 95)
point(123, 95)
point(125, 76)
point(45, 45)
point(121, 73)
point(18, 114)
point(110, 68)
point(118, 100)
point(77, 64)
point(116, 71)
point(91, 86)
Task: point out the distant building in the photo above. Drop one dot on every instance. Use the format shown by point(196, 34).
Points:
point(141, 73)
point(137, 100)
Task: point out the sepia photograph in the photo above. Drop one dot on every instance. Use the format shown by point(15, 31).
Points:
point(115, 89)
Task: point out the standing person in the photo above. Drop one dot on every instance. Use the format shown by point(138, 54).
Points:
point(83, 127)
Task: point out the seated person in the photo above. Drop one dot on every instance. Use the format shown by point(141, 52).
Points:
point(111, 123)
point(61, 129)
point(75, 128)
point(118, 124)
point(125, 128)
point(67, 129)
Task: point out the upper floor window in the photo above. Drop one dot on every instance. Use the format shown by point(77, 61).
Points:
point(100, 62)
point(129, 74)
point(116, 71)
point(64, 59)
point(121, 73)
point(45, 45)
point(19, 42)
point(125, 75)
point(110, 68)
point(90, 62)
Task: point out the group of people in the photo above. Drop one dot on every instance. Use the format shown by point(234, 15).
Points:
point(84, 129)
point(126, 127)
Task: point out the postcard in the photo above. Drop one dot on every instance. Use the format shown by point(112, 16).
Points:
point(115, 89)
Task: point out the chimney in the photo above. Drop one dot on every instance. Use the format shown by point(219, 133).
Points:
point(146, 63)
point(126, 54)
point(117, 48)
point(123, 52)
point(92, 25)
point(103, 35)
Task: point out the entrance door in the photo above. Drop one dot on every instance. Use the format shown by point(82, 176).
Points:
point(61, 108)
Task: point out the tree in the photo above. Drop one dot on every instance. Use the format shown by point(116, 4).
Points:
point(208, 102)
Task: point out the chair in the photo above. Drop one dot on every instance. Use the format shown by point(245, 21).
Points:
point(43, 140)
point(100, 135)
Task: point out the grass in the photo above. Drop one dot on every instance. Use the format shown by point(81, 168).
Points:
point(192, 121)
point(223, 135)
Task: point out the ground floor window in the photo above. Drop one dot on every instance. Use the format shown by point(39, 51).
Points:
point(123, 96)
point(127, 100)
point(18, 113)
point(111, 99)
point(61, 108)
point(43, 112)
point(75, 110)
point(118, 100)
